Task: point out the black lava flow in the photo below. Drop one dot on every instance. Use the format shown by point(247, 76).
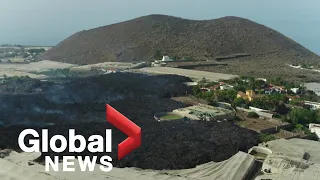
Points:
point(80, 105)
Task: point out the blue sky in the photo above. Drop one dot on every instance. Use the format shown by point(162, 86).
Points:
point(47, 22)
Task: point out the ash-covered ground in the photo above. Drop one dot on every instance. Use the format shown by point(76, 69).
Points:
point(80, 104)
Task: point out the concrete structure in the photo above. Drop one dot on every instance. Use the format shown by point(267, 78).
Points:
point(265, 114)
point(260, 153)
point(265, 125)
point(314, 105)
point(260, 149)
point(315, 87)
point(194, 74)
point(16, 166)
point(206, 113)
point(256, 109)
point(262, 112)
point(315, 128)
point(164, 59)
point(296, 159)
point(249, 95)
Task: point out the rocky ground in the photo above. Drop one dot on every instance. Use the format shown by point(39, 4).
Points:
point(80, 104)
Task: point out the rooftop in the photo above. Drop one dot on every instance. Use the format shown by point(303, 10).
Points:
point(296, 158)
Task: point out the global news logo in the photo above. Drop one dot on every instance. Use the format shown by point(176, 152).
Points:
point(94, 144)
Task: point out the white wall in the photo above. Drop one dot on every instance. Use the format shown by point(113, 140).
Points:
point(256, 109)
point(315, 128)
point(314, 105)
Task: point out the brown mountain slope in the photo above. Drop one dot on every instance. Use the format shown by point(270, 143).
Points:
point(140, 38)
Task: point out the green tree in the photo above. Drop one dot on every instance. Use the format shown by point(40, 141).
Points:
point(207, 95)
point(238, 102)
point(212, 102)
point(302, 116)
point(282, 109)
point(304, 65)
point(158, 55)
point(317, 116)
point(189, 58)
point(299, 128)
point(240, 88)
point(202, 82)
point(175, 58)
point(196, 90)
point(226, 96)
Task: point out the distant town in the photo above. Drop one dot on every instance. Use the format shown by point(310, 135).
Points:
point(20, 54)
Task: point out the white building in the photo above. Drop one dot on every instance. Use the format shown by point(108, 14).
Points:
point(295, 90)
point(315, 128)
point(163, 60)
point(262, 112)
point(166, 59)
point(314, 105)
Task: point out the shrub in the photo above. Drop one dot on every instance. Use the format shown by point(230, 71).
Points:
point(312, 136)
point(238, 102)
point(277, 116)
point(266, 137)
point(306, 131)
point(253, 115)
